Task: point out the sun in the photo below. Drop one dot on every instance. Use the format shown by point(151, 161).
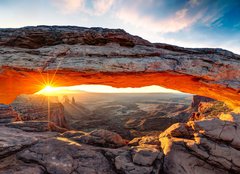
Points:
point(47, 90)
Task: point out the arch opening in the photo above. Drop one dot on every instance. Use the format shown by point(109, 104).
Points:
point(131, 112)
point(15, 83)
point(51, 90)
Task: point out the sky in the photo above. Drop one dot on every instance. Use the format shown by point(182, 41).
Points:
point(187, 23)
point(52, 91)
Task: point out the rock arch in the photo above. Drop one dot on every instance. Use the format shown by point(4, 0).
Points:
point(67, 56)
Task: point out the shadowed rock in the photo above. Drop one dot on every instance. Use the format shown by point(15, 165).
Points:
point(7, 114)
point(36, 126)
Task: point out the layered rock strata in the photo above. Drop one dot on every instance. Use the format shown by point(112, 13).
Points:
point(32, 57)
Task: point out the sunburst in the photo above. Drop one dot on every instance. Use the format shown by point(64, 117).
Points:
point(47, 82)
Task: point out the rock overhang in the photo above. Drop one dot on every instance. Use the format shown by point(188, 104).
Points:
point(69, 56)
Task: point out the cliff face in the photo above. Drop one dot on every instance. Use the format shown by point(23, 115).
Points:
point(35, 108)
point(198, 99)
point(33, 56)
point(7, 114)
point(207, 108)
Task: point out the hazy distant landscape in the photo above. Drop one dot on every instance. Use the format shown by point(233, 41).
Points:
point(129, 114)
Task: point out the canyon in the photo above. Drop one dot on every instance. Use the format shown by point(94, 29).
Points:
point(129, 115)
point(33, 57)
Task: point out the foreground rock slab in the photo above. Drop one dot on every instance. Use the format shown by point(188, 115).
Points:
point(63, 156)
point(14, 140)
point(48, 152)
point(210, 146)
point(36, 126)
point(206, 146)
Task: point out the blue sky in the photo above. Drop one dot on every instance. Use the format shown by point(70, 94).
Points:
point(189, 23)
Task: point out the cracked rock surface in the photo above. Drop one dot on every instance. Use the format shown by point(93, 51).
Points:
point(49, 152)
point(13, 140)
point(206, 146)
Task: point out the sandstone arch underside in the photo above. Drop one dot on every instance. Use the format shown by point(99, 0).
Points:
point(67, 56)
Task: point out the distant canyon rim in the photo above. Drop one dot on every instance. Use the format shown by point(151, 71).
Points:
point(32, 57)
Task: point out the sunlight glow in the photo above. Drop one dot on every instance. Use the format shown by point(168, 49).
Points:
point(49, 90)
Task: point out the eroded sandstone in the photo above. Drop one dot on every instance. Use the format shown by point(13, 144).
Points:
point(49, 152)
point(31, 57)
point(206, 146)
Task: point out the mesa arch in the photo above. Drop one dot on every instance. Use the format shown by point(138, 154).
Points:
point(68, 56)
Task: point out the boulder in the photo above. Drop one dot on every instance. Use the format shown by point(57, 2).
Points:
point(97, 137)
point(124, 164)
point(109, 137)
point(151, 139)
point(179, 159)
point(145, 156)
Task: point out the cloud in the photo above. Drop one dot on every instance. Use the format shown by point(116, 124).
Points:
point(99, 7)
point(69, 6)
point(177, 22)
point(237, 25)
point(213, 18)
point(102, 6)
